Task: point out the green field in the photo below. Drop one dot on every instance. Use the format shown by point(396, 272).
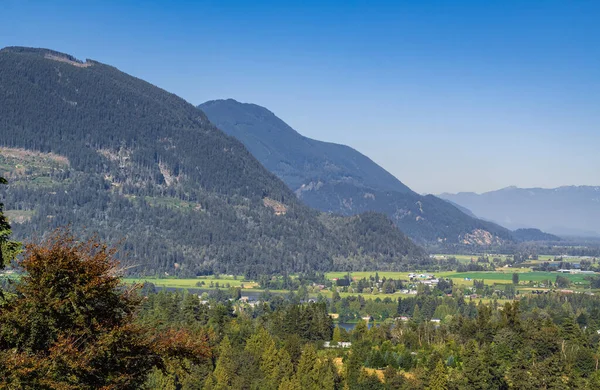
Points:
point(367, 274)
point(193, 282)
point(504, 276)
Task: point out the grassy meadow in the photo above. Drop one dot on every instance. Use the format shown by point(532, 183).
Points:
point(196, 282)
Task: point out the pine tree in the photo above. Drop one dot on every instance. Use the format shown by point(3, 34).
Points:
point(337, 336)
point(306, 373)
point(8, 249)
point(360, 331)
point(393, 379)
point(290, 384)
point(258, 343)
point(416, 317)
point(275, 365)
point(439, 377)
point(327, 374)
point(225, 370)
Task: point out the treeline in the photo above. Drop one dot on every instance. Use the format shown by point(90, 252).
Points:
point(545, 341)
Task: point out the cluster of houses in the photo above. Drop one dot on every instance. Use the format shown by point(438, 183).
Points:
point(427, 279)
point(575, 271)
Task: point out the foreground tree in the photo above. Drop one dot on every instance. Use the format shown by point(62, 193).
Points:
point(71, 324)
point(8, 249)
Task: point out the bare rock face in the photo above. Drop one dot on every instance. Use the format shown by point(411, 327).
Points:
point(480, 237)
point(278, 207)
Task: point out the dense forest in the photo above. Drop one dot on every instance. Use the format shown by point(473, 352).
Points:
point(540, 342)
point(88, 146)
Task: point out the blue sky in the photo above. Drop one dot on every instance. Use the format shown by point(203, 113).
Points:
point(447, 95)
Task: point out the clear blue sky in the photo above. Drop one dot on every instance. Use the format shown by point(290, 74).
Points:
point(446, 95)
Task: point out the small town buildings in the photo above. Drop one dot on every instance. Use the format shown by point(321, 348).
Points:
point(341, 344)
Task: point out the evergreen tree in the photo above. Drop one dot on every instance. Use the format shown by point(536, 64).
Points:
point(306, 373)
point(290, 384)
point(8, 249)
point(327, 374)
point(439, 377)
point(275, 365)
point(393, 379)
point(337, 336)
point(259, 342)
point(225, 374)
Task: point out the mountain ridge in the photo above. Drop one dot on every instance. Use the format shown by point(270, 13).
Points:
point(345, 191)
point(251, 121)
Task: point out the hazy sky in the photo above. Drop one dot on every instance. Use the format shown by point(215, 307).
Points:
point(446, 95)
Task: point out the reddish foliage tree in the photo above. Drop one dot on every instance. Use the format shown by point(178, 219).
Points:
point(71, 324)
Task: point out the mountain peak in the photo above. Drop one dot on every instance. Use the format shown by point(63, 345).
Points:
point(232, 104)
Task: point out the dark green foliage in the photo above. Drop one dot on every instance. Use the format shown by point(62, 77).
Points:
point(8, 249)
point(534, 235)
point(141, 163)
point(530, 344)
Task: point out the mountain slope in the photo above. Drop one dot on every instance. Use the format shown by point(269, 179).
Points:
point(297, 160)
point(534, 235)
point(338, 179)
point(88, 145)
point(566, 210)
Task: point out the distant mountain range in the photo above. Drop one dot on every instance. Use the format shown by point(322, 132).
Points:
point(568, 211)
point(84, 144)
point(338, 179)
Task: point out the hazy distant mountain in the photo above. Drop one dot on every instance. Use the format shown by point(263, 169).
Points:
point(572, 210)
point(336, 178)
point(461, 208)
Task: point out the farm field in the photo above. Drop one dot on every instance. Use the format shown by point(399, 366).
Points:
point(465, 259)
point(503, 276)
point(193, 282)
point(500, 276)
point(367, 274)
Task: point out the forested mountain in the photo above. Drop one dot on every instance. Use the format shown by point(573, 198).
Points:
point(87, 145)
point(534, 235)
point(571, 210)
point(338, 179)
point(297, 160)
